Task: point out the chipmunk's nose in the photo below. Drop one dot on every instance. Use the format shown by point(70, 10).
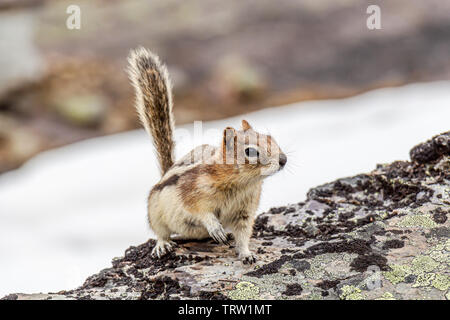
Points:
point(283, 159)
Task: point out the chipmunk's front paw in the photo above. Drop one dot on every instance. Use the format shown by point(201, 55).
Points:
point(219, 235)
point(162, 248)
point(248, 258)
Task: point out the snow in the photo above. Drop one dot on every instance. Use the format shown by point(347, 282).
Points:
point(68, 211)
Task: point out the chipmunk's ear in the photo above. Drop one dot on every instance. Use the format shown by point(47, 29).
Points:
point(229, 135)
point(245, 125)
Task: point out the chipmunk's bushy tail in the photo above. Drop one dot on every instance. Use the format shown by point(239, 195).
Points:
point(153, 101)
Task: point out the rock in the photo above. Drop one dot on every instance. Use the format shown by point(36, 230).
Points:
point(432, 149)
point(375, 238)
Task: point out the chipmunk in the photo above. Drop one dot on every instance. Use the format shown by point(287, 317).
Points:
point(210, 188)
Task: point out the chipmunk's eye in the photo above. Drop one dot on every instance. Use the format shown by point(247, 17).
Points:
point(251, 152)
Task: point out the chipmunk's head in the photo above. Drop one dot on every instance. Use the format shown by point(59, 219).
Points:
point(254, 153)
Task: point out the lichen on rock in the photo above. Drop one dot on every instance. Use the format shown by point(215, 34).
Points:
point(380, 235)
point(424, 221)
point(244, 291)
point(351, 293)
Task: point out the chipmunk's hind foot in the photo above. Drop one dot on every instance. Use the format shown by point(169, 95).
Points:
point(162, 248)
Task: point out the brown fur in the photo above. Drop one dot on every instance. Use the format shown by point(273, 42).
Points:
point(172, 180)
point(202, 193)
point(153, 102)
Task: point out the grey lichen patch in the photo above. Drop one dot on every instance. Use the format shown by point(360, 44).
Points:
point(351, 293)
point(440, 256)
point(398, 273)
point(367, 231)
point(423, 263)
point(438, 233)
point(324, 265)
point(315, 296)
point(244, 291)
point(273, 284)
point(316, 270)
point(420, 220)
point(384, 215)
point(386, 296)
point(435, 280)
point(441, 282)
point(299, 265)
point(426, 269)
point(372, 281)
point(423, 280)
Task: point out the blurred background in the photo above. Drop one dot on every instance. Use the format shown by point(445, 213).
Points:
point(60, 86)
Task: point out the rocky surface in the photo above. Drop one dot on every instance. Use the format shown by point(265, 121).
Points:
point(381, 235)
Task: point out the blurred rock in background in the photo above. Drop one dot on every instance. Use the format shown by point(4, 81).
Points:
point(59, 86)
